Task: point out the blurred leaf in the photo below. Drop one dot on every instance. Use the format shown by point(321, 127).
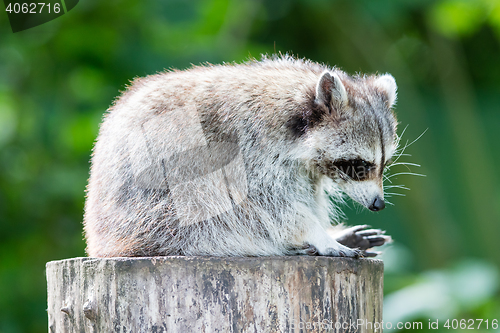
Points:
point(8, 119)
point(87, 84)
point(457, 17)
point(444, 294)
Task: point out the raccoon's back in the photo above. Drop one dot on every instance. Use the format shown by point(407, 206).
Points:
point(149, 166)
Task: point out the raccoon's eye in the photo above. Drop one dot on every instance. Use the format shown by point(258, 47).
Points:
point(354, 169)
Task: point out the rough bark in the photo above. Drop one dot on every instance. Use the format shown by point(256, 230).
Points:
point(208, 294)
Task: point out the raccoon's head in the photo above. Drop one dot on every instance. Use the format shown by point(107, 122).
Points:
point(351, 133)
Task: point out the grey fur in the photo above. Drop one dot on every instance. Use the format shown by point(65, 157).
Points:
point(236, 160)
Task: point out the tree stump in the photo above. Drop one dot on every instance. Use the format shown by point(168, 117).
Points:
point(212, 294)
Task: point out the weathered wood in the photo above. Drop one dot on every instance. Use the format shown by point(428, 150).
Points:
point(207, 294)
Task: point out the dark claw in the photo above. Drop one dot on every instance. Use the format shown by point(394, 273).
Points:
point(371, 254)
point(361, 238)
point(357, 254)
point(376, 240)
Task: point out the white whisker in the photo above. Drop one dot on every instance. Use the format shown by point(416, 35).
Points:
point(406, 173)
point(401, 136)
point(389, 194)
point(417, 138)
point(403, 163)
point(397, 186)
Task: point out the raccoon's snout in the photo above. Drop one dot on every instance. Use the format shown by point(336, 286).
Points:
point(378, 204)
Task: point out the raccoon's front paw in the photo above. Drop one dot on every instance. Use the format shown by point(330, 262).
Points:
point(342, 252)
point(358, 237)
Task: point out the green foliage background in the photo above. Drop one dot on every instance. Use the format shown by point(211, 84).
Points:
point(56, 80)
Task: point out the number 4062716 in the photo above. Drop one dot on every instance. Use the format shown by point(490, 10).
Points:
point(471, 324)
point(33, 8)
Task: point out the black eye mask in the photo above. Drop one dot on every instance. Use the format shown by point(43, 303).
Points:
point(355, 169)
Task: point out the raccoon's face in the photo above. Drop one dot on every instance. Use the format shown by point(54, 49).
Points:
point(356, 137)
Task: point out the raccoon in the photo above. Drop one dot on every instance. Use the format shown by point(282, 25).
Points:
point(246, 159)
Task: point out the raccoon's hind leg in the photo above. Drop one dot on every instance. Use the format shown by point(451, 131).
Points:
point(359, 237)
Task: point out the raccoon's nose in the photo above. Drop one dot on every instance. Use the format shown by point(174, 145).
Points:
point(378, 204)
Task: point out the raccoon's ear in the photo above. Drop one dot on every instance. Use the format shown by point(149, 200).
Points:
point(387, 84)
point(331, 91)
